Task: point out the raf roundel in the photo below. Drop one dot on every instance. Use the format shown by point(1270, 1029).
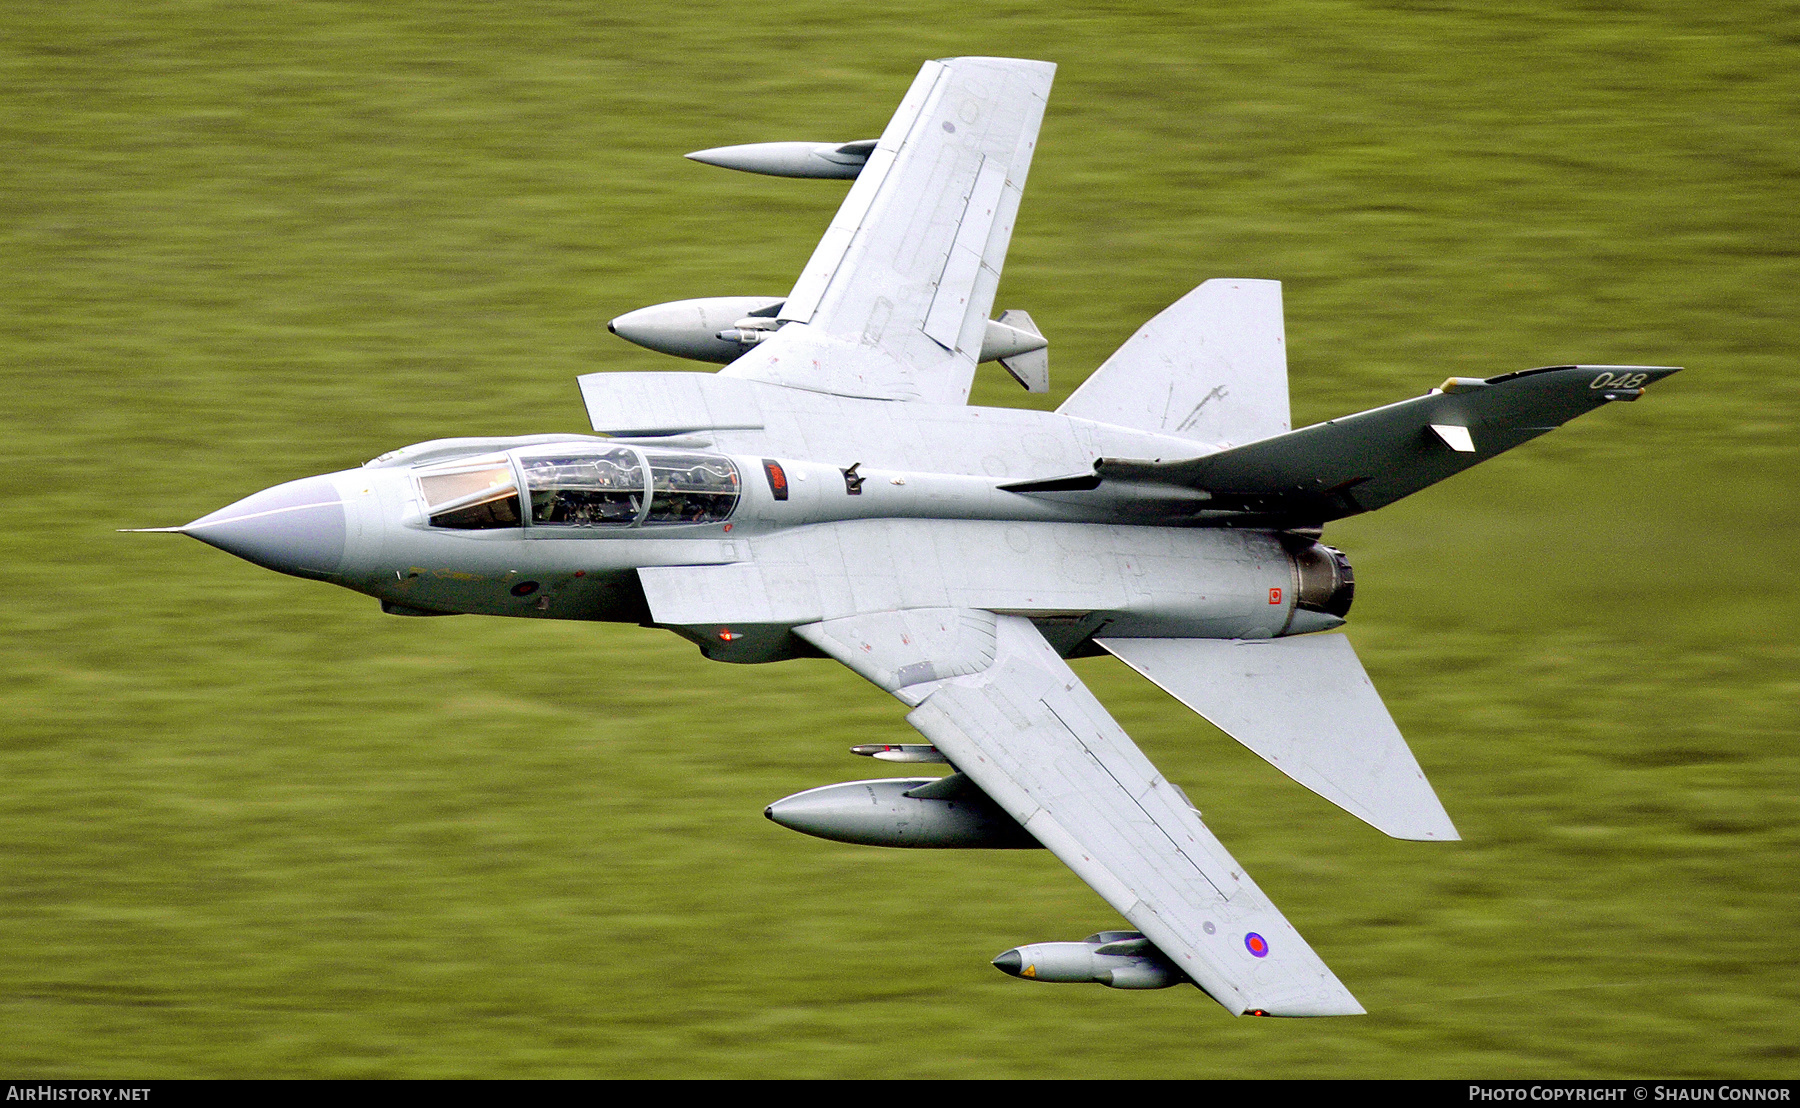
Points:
point(1256, 945)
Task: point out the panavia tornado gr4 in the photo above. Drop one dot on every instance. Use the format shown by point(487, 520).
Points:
point(829, 492)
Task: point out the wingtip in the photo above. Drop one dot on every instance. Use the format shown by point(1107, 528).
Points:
point(1341, 1005)
point(1439, 832)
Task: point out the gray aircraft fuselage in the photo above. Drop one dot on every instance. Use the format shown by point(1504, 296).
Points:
point(1077, 565)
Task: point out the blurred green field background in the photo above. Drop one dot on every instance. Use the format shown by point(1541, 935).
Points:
point(249, 826)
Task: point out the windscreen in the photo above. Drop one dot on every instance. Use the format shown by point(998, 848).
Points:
point(471, 495)
point(577, 487)
point(691, 488)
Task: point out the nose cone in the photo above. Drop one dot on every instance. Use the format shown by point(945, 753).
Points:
point(295, 528)
point(1010, 963)
point(684, 328)
point(690, 328)
point(801, 812)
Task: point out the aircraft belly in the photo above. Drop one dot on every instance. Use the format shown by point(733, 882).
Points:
point(534, 594)
point(1199, 582)
point(877, 565)
point(513, 573)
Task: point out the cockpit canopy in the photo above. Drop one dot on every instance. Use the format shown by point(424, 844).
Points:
point(579, 484)
point(588, 488)
point(471, 494)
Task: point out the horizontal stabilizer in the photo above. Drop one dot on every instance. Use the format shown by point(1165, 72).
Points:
point(1361, 462)
point(1305, 705)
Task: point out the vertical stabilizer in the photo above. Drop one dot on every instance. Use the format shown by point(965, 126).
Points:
point(1211, 367)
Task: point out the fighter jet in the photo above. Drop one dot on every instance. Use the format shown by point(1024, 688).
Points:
point(829, 492)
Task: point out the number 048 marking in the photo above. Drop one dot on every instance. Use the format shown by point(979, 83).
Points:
point(1619, 381)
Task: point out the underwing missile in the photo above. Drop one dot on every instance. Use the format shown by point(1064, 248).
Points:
point(840, 160)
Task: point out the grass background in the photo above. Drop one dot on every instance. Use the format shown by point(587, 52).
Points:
point(250, 826)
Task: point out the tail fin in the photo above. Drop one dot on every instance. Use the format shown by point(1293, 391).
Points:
point(1211, 367)
point(1362, 462)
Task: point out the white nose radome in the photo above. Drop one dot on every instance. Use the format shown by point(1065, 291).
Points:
point(295, 528)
